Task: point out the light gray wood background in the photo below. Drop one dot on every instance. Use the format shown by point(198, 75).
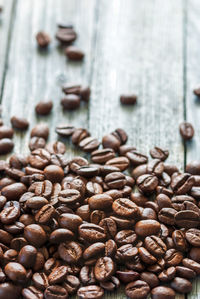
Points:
point(147, 47)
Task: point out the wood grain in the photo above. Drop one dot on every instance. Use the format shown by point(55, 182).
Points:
point(6, 18)
point(192, 102)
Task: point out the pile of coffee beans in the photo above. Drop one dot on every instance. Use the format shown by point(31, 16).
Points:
point(86, 226)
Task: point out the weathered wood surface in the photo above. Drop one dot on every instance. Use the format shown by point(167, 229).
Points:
point(192, 102)
point(131, 46)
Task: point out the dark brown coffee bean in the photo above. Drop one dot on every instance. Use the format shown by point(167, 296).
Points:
point(70, 252)
point(87, 275)
point(9, 215)
point(115, 180)
point(69, 196)
point(93, 188)
point(146, 228)
point(121, 135)
point(121, 163)
point(103, 155)
point(54, 173)
point(27, 256)
point(70, 102)
point(35, 234)
point(187, 219)
point(163, 201)
point(43, 188)
point(100, 202)
point(110, 227)
point(186, 130)
point(150, 278)
point(36, 142)
point(88, 171)
point(40, 130)
point(155, 167)
point(94, 250)
point(158, 153)
point(185, 272)
point(128, 99)
point(39, 158)
point(70, 221)
point(74, 53)
point(60, 235)
point(127, 276)
point(147, 183)
point(43, 39)
point(136, 158)
point(45, 214)
point(125, 207)
point(15, 272)
point(191, 265)
point(104, 269)
point(91, 232)
point(19, 123)
point(173, 257)
point(145, 256)
point(18, 161)
point(126, 252)
point(55, 292)
point(194, 254)
point(170, 169)
point(124, 237)
point(13, 191)
point(181, 285)
point(110, 285)
point(110, 248)
point(193, 168)
point(65, 130)
point(155, 245)
point(6, 146)
point(89, 144)
point(182, 183)
point(40, 281)
point(9, 291)
point(44, 107)
point(193, 236)
point(137, 290)
point(56, 148)
point(71, 284)
point(167, 216)
point(179, 240)
point(6, 132)
point(58, 275)
point(66, 35)
point(162, 292)
point(168, 274)
point(110, 141)
point(77, 162)
point(92, 292)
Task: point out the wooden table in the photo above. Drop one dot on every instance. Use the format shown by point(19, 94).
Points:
point(148, 47)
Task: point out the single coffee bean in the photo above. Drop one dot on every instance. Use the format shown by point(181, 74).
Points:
point(87, 275)
point(6, 146)
point(27, 256)
point(40, 280)
point(92, 292)
point(173, 257)
point(120, 162)
point(162, 292)
point(126, 252)
point(13, 191)
point(186, 130)
point(54, 173)
point(110, 285)
point(43, 39)
point(45, 214)
point(55, 292)
point(15, 272)
point(91, 232)
point(191, 265)
point(150, 278)
point(100, 201)
point(155, 245)
point(128, 99)
point(40, 130)
point(44, 107)
point(65, 130)
point(182, 183)
point(73, 53)
point(36, 142)
point(125, 207)
point(70, 252)
point(167, 216)
point(168, 274)
point(19, 123)
point(110, 227)
point(193, 168)
point(9, 291)
point(121, 135)
point(70, 102)
point(66, 35)
point(146, 228)
point(104, 269)
point(194, 254)
point(70, 221)
point(139, 170)
point(110, 141)
point(137, 290)
point(127, 276)
point(185, 272)
point(57, 275)
point(93, 250)
point(71, 284)
point(147, 183)
point(6, 132)
point(115, 180)
point(124, 237)
point(158, 153)
point(35, 234)
point(181, 285)
point(187, 219)
point(89, 144)
point(193, 236)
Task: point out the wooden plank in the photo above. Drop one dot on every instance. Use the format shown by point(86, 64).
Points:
point(35, 75)
point(5, 34)
point(192, 102)
point(139, 50)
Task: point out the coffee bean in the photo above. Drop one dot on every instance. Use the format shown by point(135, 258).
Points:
point(94, 250)
point(35, 234)
point(92, 291)
point(127, 276)
point(40, 130)
point(65, 130)
point(100, 201)
point(36, 142)
point(79, 134)
point(66, 35)
point(125, 208)
point(159, 153)
point(104, 269)
point(40, 281)
point(74, 53)
point(71, 284)
point(193, 168)
point(128, 99)
point(167, 216)
point(162, 292)
point(6, 132)
point(194, 254)
point(55, 292)
point(91, 232)
point(145, 228)
point(110, 285)
point(19, 123)
point(70, 252)
point(57, 275)
point(89, 144)
point(186, 130)
point(6, 146)
point(191, 265)
point(43, 39)
point(138, 289)
point(13, 191)
point(173, 257)
point(147, 183)
point(124, 237)
point(187, 219)
point(150, 278)
point(168, 274)
point(185, 272)
point(181, 285)
point(155, 245)
point(27, 256)
point(16, 272)
point(120, 162)
point(110, 141)
point(87, 275)
point(9, 290)
point(44, 107)
point(54, 173)
point(70, 102)
point(146, 257)
point(45, 214)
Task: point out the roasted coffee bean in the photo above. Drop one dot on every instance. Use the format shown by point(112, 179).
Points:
point(94, 250)
point(121, 135)
point(74, 53)
point(89, 144)
point(163, 201)
point(168, 274)
point(56, 148)
point(155, 167)
point(40, 130)
point(9, 291)
point(16, 272)
point(91, 232)
point(54, 173)
point(137, 290)
point(110, 248)
point(71, 284)
point(128, 99)
point(187, 219)
point(193, 236)
point(70, 102)
point(57, 275)
point(43, 39)
point(115, 180)
point(44, 107)
point(110, 227)
point(35, 234)
point(193, 168)
point(43, 188)
point(124, 237)
point(9, 215)
point(36, 142)
point(162, 292)
point(145, 228)
point(181, 285)
point(110, 141)
point(69, 196)
point(147, 183)
point(92, 292)
point(180, 243)
point(121, 163)
point(19, 123)
point(186, 130)
point(66, 35)
point(60, 235)
point(13, 191)
point(170, 169)
point(185, 272)
point(104, 269)
point(191, 265)
point(88, 171)
point(65, 130)
point(40, 280)
point(70, 221)
point(87, 275)
point(70, 252)
point(126, 252)
point(158, 153)
point(103, 155)
point(27, 256)
point(93, 188)
point(55, 292)
point(136, 158)
point(167, 216)
point(6, 146)
point(150, 278)
point(127, 276)
point(194, 254)
point(125, 207)
point(173, 257)
point(18, 161)
point(45, 214)
point(6, 132)
point(155, 245)
point(145, 256)
point(110, 285)
point(182, 183)
point(100, 202)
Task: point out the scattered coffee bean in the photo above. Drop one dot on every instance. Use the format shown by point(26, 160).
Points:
point(19, 123)
point(43, 39)
point(6, 146)
point(74, 53)
point(70, 102)
point(186, 130)
point(40, 130)
point(44, 107)
point(66, 34)
point(128, 99)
